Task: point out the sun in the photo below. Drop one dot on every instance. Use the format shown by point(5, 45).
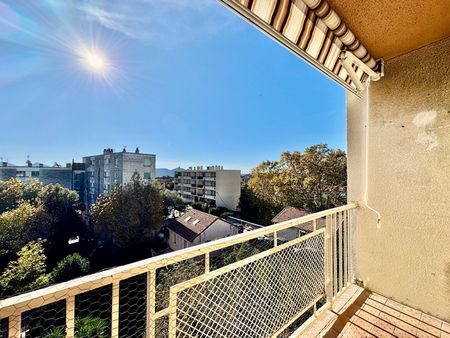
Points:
point(95, 62)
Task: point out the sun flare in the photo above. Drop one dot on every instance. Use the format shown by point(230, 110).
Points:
point(95, 62)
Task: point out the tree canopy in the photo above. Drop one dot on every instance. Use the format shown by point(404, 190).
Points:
point(313, 180)
point(27, 272)
point(129, 213)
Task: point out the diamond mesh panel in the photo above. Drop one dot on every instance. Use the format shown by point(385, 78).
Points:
point(175, 274)
point(255, 299)
point(237, 252)
point(47, 321)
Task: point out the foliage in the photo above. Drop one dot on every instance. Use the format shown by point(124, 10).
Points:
point(20, 226)
point(255, 209)
point(217, 211)
point(88, 327)
point(313, 180)
point(58, 201)
point(201, 206)
point(27, 272)
point(129, 214)
point(33, 210)
point(226, 214)
point(172, 200)
point(11, 192)
point(70, 267)
point(56, 332)
point(239, 252)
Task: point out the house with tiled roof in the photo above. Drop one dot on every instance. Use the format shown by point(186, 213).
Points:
point(290, 213)
point(197, 227)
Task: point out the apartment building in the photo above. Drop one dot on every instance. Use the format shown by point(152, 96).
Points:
point(70, 176)
point(213, 184)
point(105, 171)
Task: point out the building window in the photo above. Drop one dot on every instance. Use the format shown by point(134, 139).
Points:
point(147, 162)
point(35, 174)
point(146, 176)
point(20, 173)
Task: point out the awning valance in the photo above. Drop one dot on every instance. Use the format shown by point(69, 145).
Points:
point(314, 31)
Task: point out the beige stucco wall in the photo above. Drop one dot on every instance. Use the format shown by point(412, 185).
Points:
point(407, 256)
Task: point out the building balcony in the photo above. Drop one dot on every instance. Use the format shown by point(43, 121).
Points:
point(272, 288)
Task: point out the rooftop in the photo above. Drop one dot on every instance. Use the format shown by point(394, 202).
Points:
point(290, 213)
point(192, 223)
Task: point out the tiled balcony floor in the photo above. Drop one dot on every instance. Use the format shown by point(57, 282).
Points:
point(360, 313)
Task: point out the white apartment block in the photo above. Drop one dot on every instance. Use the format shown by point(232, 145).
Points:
point(213, 184)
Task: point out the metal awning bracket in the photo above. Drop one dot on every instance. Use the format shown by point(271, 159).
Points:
point(348, 59)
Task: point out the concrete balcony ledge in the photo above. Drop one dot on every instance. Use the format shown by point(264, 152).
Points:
point(358, 312)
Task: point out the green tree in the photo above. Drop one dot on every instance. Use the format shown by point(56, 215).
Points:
point(255, 209)
point(58, 201)
point(70, 267)
point(129, 214)
point(11, 194)
point(27, 272)
point(61, 206)
point(19, 226)
point(172, 201)
point(313, 180)
point(201, 206)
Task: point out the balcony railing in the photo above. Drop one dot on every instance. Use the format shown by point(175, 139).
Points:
point(254, 284)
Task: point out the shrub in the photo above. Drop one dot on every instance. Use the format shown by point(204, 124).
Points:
point(226, 214)
point(56, 332)
point(217, 211)
point(70, 267)
point(88, 327)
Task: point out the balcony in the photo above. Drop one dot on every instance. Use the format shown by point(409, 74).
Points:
point(200, 291)
point(249, 285)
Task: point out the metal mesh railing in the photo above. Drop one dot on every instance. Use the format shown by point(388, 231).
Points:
point(93, 312)
point(254, 297)
point(48, 321)
point(259, 283)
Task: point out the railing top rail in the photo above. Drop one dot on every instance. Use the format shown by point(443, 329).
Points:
point(82, 284)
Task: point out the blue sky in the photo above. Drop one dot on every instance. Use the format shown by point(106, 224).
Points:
point(187, 80)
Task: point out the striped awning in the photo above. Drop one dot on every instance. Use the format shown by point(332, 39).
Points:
point(312, 30)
